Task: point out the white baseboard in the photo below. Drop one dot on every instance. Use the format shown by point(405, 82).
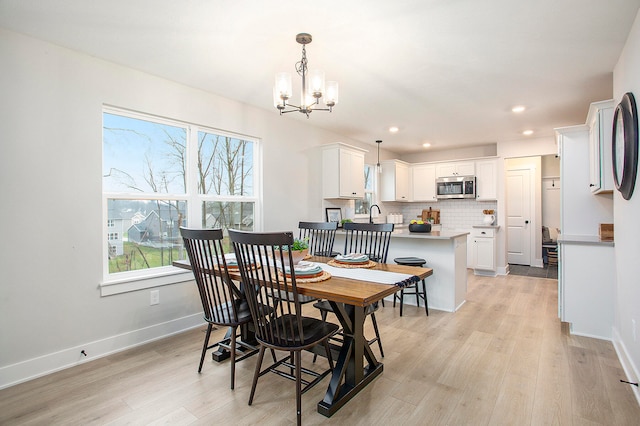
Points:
point(37, 367)
point(485, 273)
point(630, 369)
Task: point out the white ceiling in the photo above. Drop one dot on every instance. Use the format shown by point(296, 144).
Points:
point(444, 71)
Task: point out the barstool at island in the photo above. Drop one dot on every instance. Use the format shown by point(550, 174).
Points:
point(412, 289)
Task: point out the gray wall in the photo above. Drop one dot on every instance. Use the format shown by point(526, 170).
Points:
point(626, 78)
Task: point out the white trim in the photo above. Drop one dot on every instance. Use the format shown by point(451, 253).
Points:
point(50, 363)
point(630, 369)
point(172, 275)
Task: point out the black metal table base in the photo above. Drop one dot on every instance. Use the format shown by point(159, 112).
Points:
point(350, 375)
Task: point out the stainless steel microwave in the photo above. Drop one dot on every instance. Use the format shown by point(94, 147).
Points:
point(456, 187)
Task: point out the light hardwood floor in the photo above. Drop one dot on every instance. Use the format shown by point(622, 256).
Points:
point(503, 358)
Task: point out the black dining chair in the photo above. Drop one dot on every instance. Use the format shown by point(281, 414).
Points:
point(372, 239)
point(320, 236)
point(282, 327)
point(222, 302)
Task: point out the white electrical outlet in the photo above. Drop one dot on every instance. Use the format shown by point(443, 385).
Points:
point(155, 297)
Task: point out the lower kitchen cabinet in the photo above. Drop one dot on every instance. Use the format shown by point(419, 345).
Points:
point(586, 285)
point(484, 250)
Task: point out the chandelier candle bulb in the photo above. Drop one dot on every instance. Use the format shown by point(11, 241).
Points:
point(316, 83)
point(283, 86)
point(331, 97)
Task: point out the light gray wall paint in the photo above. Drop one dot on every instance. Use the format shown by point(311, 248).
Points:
point(626, 78)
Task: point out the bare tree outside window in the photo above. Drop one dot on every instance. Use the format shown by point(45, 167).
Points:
point(145, 158)
point(362, 206)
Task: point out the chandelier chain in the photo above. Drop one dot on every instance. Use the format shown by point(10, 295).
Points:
point(301, 66)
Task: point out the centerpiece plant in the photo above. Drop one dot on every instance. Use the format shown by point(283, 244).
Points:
point(299, 249)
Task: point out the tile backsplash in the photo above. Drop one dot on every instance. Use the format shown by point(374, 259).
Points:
point(454, 214)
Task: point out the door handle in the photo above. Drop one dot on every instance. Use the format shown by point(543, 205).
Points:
point(526, 222)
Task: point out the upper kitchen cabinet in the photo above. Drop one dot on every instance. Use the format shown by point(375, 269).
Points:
point(600, 122)
point(394, 183)
point(423, 182)
point(342, 171)
point(462, 168)
point(487, 179)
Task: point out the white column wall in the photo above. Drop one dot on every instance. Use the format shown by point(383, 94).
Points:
point(626, 214)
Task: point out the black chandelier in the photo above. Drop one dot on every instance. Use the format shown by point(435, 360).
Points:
point(313, 86)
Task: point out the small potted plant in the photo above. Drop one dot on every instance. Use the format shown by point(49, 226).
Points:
point(299, 250)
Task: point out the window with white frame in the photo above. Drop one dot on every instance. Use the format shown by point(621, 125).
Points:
point(160, 174)
point(362, 206)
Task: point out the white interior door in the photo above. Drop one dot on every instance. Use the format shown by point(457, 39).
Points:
point(519, 215)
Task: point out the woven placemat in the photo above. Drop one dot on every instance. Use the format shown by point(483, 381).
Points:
point(322, 277)
point(369, 264)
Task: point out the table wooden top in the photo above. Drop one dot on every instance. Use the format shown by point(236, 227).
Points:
point(345, 290)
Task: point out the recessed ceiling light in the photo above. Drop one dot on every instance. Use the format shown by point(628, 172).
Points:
point(426, 144)
point(518, 108)
point(527, 132)
point(393, 129)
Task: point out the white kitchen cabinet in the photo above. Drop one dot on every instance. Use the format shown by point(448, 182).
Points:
point(423, 182)
point(586, 285)
point(394, 185)
point(342, 171)
point(484, 250)
point(600, 122)
point(487, 179)
point(461, 168)
point(581, 213)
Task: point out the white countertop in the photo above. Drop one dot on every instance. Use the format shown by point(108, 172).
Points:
point(433, 235)
point(487, 226)
point(584, 240)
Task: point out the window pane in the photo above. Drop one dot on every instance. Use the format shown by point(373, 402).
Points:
point(144, 234)
point(142, 156)
point(225, 165)
point(368, 177)
point(225, 215)
point(362, 206)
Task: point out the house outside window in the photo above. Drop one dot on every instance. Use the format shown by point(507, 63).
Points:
point(362, 206)
point(160, 174)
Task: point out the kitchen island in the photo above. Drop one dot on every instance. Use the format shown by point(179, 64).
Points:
point(444, 251)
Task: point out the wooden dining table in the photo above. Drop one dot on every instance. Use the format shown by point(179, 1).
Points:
point(356, 365)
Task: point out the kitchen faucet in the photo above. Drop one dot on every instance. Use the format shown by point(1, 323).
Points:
point(371, 208)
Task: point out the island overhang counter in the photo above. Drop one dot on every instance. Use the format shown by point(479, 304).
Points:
point(444, 251)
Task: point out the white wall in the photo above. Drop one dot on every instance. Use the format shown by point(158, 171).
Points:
point(50, 181)
point(626, 78)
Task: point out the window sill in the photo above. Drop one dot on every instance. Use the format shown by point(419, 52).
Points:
point(171, 276)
